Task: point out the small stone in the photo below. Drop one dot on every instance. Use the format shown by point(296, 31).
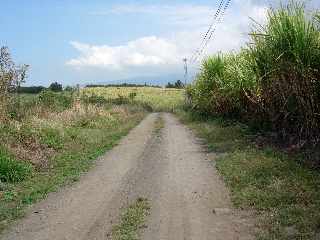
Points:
point(222, 211)
point(143, 226)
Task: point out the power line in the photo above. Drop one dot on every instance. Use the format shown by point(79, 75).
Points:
point(213, 28)
point(199, 49)
point(208, 31)
point(212, 23)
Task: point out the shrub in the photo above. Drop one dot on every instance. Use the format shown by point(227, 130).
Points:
point(132, 95)
point(178, 84)
point(12, 170)
point(69, 89)
point(11, 76)
point(31, 90)
point(55, 87)
point(55, 101)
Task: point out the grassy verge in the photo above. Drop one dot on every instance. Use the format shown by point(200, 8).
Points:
point(73, 140)
point(131, 220)
point(285, 195)
point(158, 125)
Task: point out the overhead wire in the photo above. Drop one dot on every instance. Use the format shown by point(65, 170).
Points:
point(218, 18)
point(215, 28)
point(209, 30)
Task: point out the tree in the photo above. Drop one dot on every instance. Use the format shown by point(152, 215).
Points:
point(169, 85)
point(178, 84)
point(69, 89)
point(11, 78)
point(56, 87)
point(31, 89)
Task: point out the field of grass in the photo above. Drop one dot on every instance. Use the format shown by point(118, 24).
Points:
point(158, 99)
point(284, 193)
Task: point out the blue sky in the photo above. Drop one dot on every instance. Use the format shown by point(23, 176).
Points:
point(81, 41)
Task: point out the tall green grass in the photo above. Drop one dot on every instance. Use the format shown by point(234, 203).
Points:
point(286, 57)
point(225, 84)
point(12, 170)
point(273, 81)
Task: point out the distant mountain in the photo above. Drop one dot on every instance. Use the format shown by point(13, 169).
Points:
point(154, 80)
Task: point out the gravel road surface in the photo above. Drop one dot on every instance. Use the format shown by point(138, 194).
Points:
point(168, 166)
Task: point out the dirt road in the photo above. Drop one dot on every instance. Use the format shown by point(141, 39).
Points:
point(169, 167)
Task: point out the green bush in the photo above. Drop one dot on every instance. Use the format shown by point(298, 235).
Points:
point(12, 170)
point(132, 95)
point(11, 76)
point(55, 101)
point(31, 90)
point(56, 87)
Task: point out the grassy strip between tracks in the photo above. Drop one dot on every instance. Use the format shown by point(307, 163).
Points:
point(132, 219)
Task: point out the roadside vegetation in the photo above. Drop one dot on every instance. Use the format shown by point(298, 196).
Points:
point(258, 109)
point(284, 194)
point(49, 139)
point(273, 82)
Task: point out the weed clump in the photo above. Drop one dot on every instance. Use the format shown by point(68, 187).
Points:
point(52, 138)
point(55, 101)
point(12, 170)
point(131, 220)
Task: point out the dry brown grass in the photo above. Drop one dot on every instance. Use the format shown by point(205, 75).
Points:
point(28, 146)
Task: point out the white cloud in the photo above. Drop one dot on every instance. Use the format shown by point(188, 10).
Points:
point(146, 51)
point(164, 52)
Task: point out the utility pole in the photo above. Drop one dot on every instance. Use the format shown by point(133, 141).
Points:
point(185, 60)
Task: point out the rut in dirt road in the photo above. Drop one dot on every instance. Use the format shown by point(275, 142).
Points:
point(187, 197)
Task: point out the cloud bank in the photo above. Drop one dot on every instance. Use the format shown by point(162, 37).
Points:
point(188, 23)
